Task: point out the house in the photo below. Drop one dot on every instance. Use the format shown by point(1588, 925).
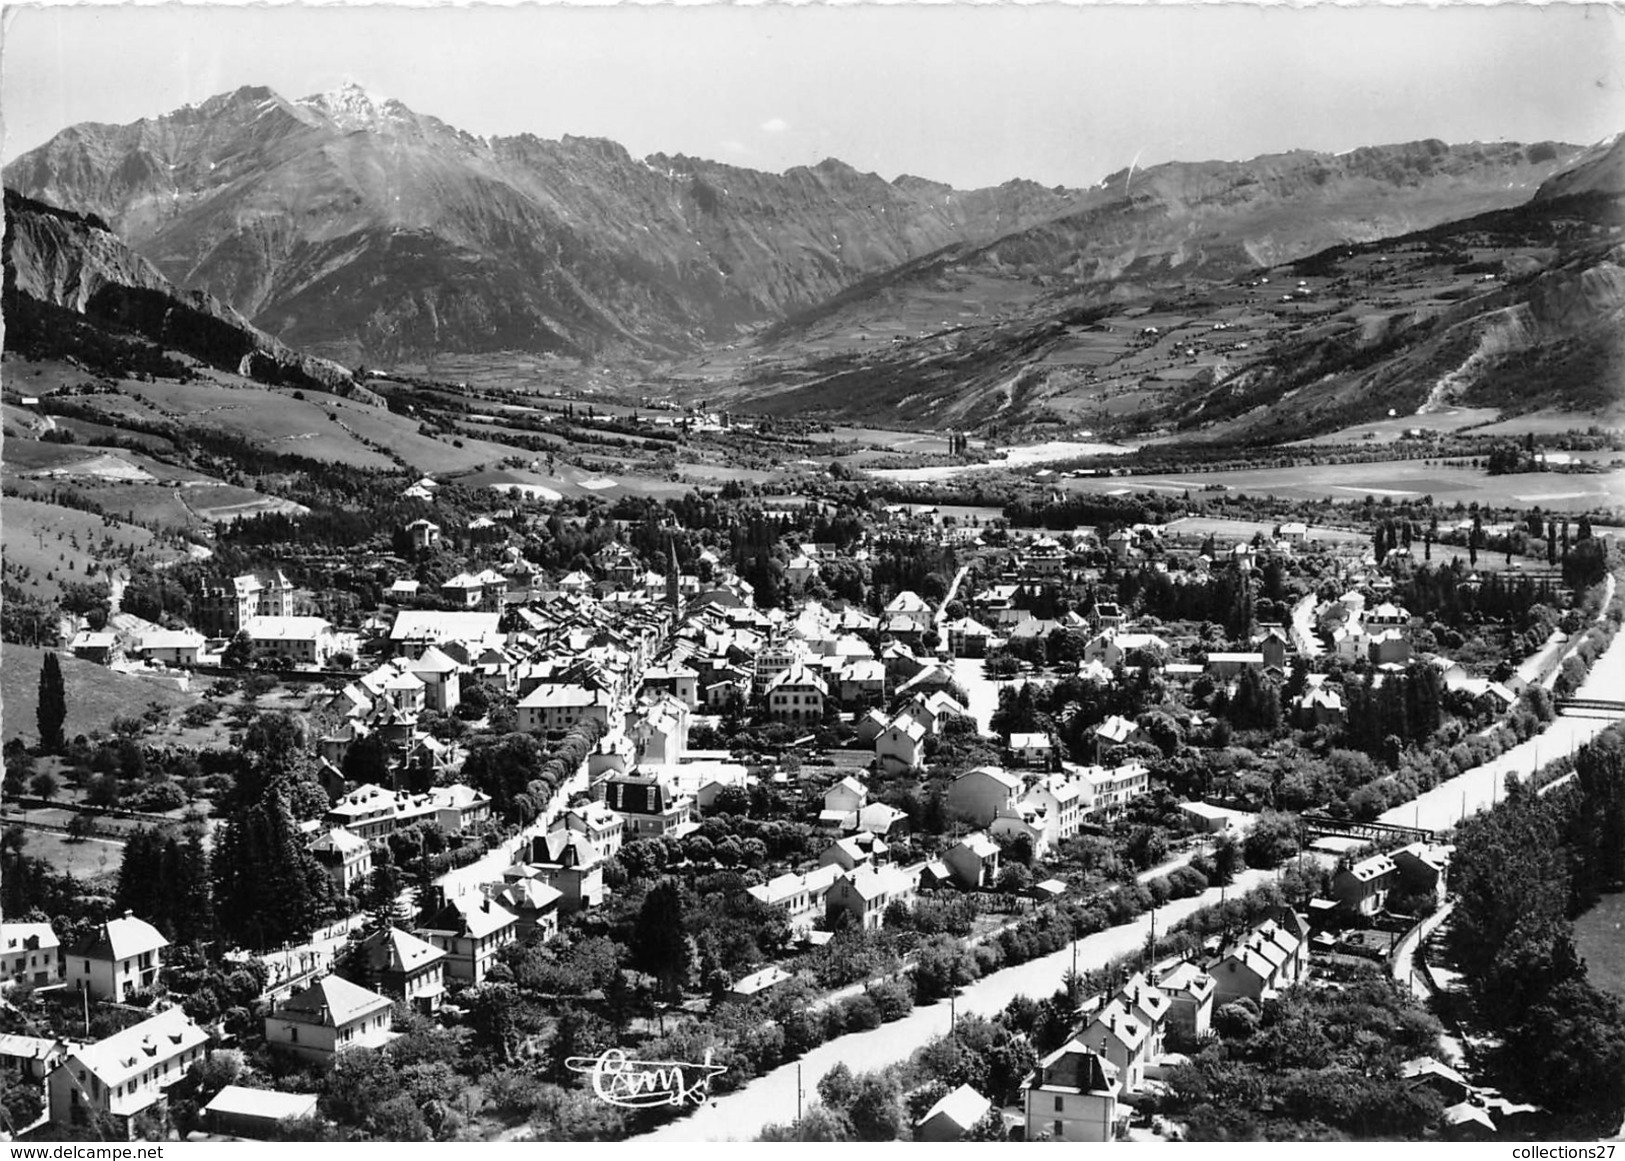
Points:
point(1031, 750)
point(1388, 616)
point(801, 896)
point(439, 674)
point(597, 823)
point(901, 746)
point(1190, 993)
point(978, 795)
point(404, 967)
point(974, 862)
point(870, 726)
point(1293, 532)
point(414, 630)
point(292, 640)
point(1072, 1096)
point(1060, 803)
point(1106, 616)
point(346, 857)
point(648, 806)
point(534, 904)
point(1363, 888)
point(460, 809)
point(678, 680)
point(221, 610)
point(1206, 817)
point(862, 679)
point(30, 953)
point(797, 695)
point(330, 1016)
point(367, 812)
point(879, 819)
point(847, 796)
point(953, 1116)
point(117, 959)
point(864, 894)
point(1122, 1039)
point(425, 534)
point(30, 1059)
point(968, 637)
point(758, 983)
point(567, 860)
point(1423, 867)
point(558, 707)
point(1107, 791)
point(1149, 1004)
point(1320, 705)
point(1223, 666)
point(127, 1073)
point(853, 851)
point(102, 648)
point(171, 646)
point(470, 931)
point(1390, 647)
point(1115, 731)
point(256, 1113)
point(1265, 961)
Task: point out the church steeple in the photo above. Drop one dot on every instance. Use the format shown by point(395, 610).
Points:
point(674, 596)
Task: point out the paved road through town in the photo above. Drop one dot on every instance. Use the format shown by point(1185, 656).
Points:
point(741, 1115)
point(1448, 803)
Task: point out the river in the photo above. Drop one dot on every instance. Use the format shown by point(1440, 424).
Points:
point(769, 1099)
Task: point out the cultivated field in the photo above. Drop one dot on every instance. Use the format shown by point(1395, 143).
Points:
point(1398, 479)
point(1599, 937)
point(41, 537)
point(95, 694)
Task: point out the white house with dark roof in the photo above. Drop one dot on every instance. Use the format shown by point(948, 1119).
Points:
point(328, 1017)
point(30, 953)
point(404, 967)
point(864, 894)
point(471, 931)
point(802, 896)
point(346, 857)
point(974, 861)
point(558, 707)
point(127, 1073)
point(1363, 888)
point(1072, 1095)
point(119, 958)
point(901, 745)
point(978, 795)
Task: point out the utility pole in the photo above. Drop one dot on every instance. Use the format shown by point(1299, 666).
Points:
point(799, 1091)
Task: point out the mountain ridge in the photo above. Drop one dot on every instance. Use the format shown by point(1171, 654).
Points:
point(353, 226)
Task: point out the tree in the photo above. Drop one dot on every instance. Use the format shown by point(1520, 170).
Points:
point(52, 711)
point(877, 1108)
point(367, 760)
point(837, 1087)
point(239, 654)
point(660, 941)
point(44, 785)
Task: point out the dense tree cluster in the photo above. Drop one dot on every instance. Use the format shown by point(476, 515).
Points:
point(1521, 873)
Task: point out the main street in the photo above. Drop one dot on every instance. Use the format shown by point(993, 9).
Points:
point(1449, 802)
point(769, 1099)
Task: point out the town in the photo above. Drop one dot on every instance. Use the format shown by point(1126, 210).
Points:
point(513, 783)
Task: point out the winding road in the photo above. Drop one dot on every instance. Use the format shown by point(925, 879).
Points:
point(769, 1099)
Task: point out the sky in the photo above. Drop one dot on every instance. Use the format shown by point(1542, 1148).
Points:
point(972, 95)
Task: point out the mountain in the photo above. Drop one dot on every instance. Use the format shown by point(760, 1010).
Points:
point(355, 226)
point(72, 287)
point(1600, 170)
point(1515, 308)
